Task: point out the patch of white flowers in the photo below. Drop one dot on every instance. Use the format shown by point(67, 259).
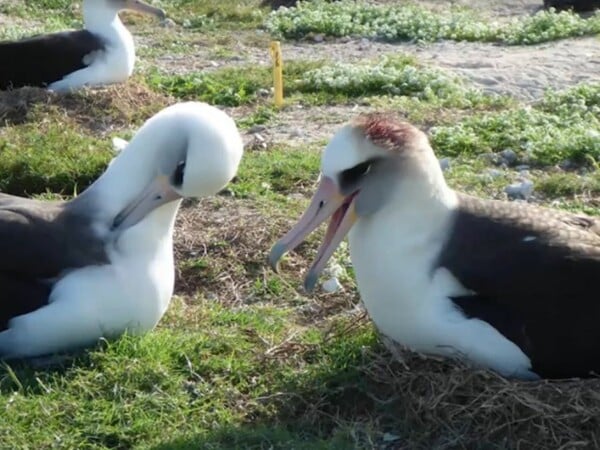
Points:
point(413, 22)
point(563, 126)
point(388, 76)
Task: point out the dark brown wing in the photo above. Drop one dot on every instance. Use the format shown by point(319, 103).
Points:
point(39, 240)
point(534, 271)
point(41, 60)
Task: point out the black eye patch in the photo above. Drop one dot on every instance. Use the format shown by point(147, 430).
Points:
point(350, 177)
point(178, 174)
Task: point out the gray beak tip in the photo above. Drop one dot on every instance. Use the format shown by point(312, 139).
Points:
point(276, 253)
point(310, 281)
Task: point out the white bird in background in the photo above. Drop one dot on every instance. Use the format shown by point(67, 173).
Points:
point(102, 53)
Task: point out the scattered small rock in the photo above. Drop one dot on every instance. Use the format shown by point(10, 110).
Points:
point(331, 285)
point(168, 23)
point(389, 437)
point(577, 5)
point(593, 134)
point(296, 132)
point(521, 190)
point(491, 158)
point(493, 173)
point(227, 193)
point(522, 167)
point(318, 37)
point(445, 163)
point(118, 144)
point(567, 164)
point(509, 156)
point(264, 92)
point(255, 129)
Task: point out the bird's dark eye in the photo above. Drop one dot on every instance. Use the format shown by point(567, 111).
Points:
point(350, 177)
point(178, 174)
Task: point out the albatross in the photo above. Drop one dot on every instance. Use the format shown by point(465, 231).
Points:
point(507, 286)
point(102, 53)
point(102, 263)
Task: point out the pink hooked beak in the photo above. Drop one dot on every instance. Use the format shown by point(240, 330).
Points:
point(326, 202)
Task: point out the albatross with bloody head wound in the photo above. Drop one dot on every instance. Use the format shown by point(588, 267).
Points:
point(102, 263)
point(102, 53)
point(505, 285)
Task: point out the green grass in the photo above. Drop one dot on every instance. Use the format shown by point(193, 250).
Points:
point(229, 86)
point(210, 378)
point(318, 83)
point(552, 131)
point(53, 157)
point(184, 377)
point(413, 22)
point(277, 171)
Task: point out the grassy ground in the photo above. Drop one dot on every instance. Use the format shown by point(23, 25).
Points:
point(243, 359)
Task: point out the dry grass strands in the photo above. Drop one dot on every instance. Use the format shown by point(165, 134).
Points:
point(98, 109)
point(446, 404)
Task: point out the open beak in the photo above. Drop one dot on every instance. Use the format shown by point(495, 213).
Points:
point(327, 202)
point(157, 193)
point(144, 8)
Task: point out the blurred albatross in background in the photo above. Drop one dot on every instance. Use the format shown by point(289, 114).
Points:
point(102, 53)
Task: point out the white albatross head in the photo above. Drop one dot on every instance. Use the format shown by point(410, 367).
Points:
point(360, 168)
point(187, 150)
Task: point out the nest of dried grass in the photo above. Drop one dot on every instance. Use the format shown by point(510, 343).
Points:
point(97, 109)
point(446, 404)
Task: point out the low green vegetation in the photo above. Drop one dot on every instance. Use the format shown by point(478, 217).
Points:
point(229, 86)
point(403, 22)
point(550, 132)
point(54, 157)
point(316, 82)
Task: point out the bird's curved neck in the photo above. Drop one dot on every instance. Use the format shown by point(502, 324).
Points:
point(138, 165)
point(419, 204)
point(99, 18)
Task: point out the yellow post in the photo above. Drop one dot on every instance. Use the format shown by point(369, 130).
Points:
point(275, 49)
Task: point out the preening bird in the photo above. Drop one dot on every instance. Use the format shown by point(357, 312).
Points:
point(102, 263)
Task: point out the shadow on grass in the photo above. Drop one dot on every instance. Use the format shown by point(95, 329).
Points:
point(257, 437)
point(367, 400)
point(30, 377)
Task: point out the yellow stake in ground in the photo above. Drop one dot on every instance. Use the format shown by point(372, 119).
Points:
point(275, 49)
